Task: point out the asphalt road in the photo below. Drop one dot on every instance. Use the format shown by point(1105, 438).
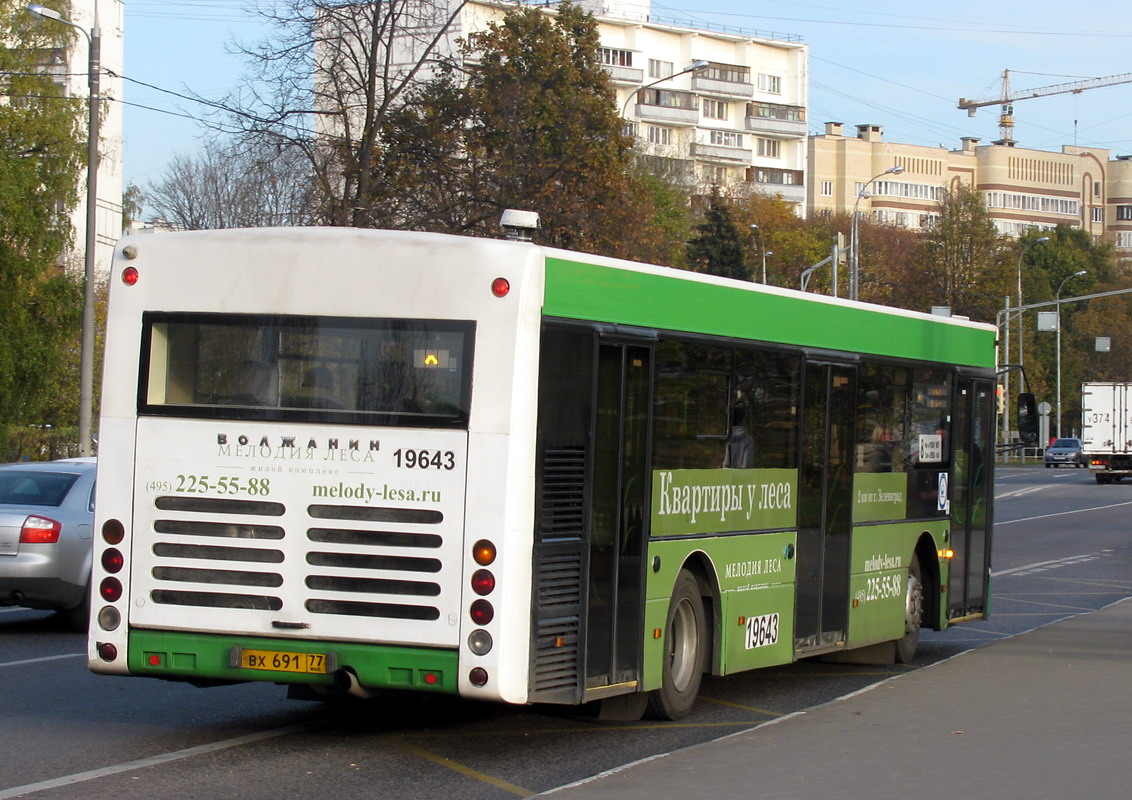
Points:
point(1062, 548)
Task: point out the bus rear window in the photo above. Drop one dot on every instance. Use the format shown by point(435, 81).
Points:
point(388, 371)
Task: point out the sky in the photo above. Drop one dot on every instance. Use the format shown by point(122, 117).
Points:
point(902, 65)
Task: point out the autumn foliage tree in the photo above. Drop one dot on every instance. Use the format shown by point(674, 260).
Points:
point(41, 155)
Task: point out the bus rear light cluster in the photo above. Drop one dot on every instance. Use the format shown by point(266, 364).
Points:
point(482, 612)
point(110, 589)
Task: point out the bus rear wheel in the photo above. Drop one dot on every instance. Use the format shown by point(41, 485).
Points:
point(913, 614)
point(685, 651)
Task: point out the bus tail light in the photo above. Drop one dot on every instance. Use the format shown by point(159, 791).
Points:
point(482, 612)
point(483, 582)
point(109, 619)
point(480, 642)
point(40, 530)
point(112, 560)
point(478, 676)
point(500, 287)
point(110, 589)
point(113, 531)
point(130, 276)
point(107, 651)
point(946, 553)
point(484, 552)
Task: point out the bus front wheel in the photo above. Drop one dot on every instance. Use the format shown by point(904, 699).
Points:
point(913, 614)
point(685, 651)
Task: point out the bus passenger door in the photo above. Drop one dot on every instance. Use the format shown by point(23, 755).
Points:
point(825, 516)
point(972, 491)
point(619, 502)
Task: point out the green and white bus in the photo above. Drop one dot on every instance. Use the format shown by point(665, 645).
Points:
point(353, 461)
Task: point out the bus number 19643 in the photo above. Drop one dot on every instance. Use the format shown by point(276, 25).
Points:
point(425, 459)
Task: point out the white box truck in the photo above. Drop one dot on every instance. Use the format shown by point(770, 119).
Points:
point(1106, 430)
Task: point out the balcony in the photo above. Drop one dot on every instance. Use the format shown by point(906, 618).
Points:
point(668, 115)
point(722, 154)
point(731, 89)
point(624, 75)
point(777, 127)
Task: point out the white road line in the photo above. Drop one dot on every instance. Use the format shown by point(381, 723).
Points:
point(1041, 566)
point(1061, 514)
point(142, 763)
point(40, 660)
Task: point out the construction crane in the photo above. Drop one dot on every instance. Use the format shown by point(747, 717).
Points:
point(1007, 100)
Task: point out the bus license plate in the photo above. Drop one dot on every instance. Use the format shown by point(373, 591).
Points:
point(278, 661)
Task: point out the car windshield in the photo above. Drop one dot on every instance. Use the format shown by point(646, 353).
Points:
point(1066, 443)
point(35, 488)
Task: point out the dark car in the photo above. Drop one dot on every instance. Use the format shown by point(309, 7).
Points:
point(46, 522)
point(1064, 451)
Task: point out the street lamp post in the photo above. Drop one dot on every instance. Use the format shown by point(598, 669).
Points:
point(762, 249)
point(1022, 255)
point(86, 358)
point(695, 65)
point(854, 274)
point(1076, 274)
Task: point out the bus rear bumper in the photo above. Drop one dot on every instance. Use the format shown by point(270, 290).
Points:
point(350, 667)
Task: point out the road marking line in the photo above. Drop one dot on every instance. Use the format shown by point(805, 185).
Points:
point(41, 660)
point(152, 761)
point(458, 767)
point(1061, 514)
point(742, 707)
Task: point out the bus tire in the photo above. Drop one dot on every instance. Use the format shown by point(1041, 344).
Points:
point(685, 652)
point(913, 614)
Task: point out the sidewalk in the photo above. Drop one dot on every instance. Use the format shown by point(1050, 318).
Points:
point(1045, 714)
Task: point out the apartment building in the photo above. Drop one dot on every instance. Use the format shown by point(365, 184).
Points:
point(710, 107)
point(1023, 189)
point(108, 17)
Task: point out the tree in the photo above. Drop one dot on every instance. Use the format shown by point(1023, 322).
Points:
point(531, 124)
point(256, 186)
point(718, 248)
point(42, 148)
point(963, 258)
point(326, 80)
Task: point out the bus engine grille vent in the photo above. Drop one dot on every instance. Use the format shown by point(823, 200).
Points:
point(563, 494)
point(557, 634)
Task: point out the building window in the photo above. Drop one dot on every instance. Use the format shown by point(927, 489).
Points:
point(714, 174)
point(776, 111)
point(667, 99)
point(726, 72)
point(1124, 213)
point(1096, 189)
point(782, 177)
point(770, 83)
point(770, 148)
point(660, 69)
point(827, 188)
point(658, 135)
point(715, 109)
point(1124, 240)
point(1098, 215)
point(612, 57)
point(726, 138)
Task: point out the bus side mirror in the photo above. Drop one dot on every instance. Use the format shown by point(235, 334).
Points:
point(1027, 417)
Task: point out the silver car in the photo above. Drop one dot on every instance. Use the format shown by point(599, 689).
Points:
point(46, 522)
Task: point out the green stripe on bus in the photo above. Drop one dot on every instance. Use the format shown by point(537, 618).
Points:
point(166, 654)
point(576, 290)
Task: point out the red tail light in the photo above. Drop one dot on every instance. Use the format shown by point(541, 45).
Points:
point(40, 530)
point(483, 582)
